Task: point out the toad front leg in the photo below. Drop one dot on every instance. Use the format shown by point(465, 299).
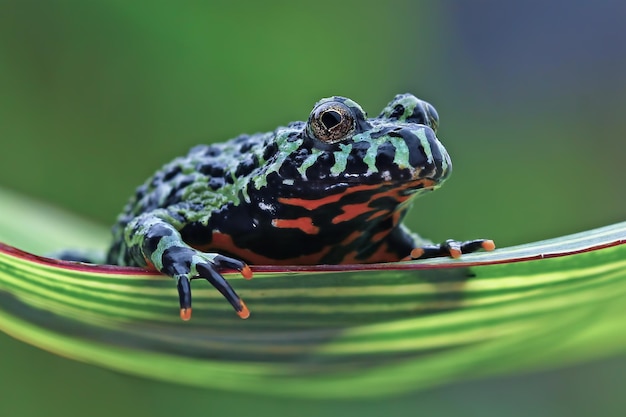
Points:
point(155, 244)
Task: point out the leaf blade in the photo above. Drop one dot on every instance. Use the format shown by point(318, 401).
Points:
point(335, 331)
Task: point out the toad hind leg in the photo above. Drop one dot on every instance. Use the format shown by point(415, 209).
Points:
point(452, 248)
point(409, 245)
point(156, 244)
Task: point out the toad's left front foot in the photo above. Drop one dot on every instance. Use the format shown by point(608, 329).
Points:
point(452, 248)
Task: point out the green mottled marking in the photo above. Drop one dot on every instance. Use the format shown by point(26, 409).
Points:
point(341, 159)
point(199, 260)
point(370, 158)
point(401, 157)
point(308, 162)
point(445, 165)
point(198, 192)
point(421, 135)
point(245, 195)
point(164, 244)
point(372, 151)
point(409, 104)
point(353, 104)
point(287, 148)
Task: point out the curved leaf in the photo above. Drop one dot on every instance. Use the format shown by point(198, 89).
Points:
point(334, 331)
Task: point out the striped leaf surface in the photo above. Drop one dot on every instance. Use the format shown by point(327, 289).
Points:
point(342, 331)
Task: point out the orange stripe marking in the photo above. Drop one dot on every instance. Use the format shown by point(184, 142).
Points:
point(333, 198)
point(381, 255)
point(222, 243)
point(350, 211)
point(319, 202)
point(149, 265)
point(303, 223)
point(380, 235)
point(351, 238)
point(379, 213)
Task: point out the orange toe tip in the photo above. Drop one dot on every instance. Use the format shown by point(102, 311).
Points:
point(417, 253)
point(246, 272)
point(185, 314)
point(244, 313)
point(455, 253)
point(489, 245)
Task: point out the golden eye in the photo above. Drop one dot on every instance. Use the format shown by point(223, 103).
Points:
point(331, 121)
point(433, 117)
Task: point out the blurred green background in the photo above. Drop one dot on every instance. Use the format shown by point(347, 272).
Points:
point(96, 95)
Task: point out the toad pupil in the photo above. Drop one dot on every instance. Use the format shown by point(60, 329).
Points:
point(332, 190)
point(331, 119)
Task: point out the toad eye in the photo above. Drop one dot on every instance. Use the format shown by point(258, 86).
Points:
point(433, 117)
point(331, 121)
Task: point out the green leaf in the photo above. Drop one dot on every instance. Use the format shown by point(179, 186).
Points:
point(335, 331)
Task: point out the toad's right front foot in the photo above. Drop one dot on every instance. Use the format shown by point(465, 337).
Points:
point(185, 264)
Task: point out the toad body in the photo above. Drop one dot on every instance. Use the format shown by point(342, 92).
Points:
point(331, 190)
